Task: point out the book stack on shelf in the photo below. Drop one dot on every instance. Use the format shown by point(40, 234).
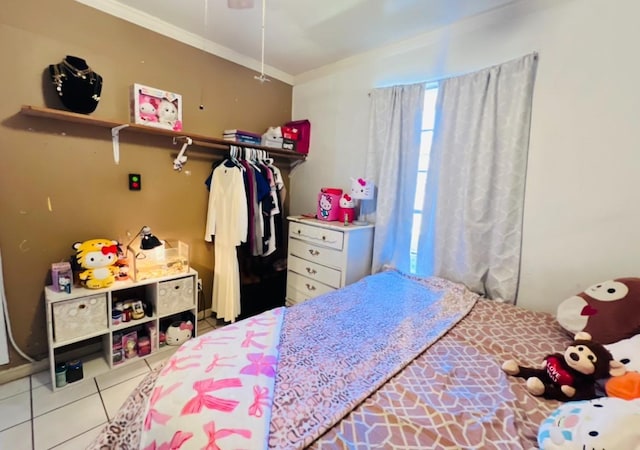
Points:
point(245, 137)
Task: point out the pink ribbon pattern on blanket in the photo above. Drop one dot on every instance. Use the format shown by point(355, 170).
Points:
point(214, 435)
point(202, 400)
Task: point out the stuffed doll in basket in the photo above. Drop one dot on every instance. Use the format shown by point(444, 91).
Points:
point(571, 375)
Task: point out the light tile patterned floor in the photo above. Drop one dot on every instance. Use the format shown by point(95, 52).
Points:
point(33, 417)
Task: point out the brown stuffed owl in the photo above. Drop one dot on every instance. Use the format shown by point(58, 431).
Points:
point(608, 311)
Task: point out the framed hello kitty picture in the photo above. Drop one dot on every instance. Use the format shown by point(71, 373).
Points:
point(156, 108)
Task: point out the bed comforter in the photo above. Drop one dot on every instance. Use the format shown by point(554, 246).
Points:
point(393, 362)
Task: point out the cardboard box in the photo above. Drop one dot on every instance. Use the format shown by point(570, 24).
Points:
point(62, 276)
point(156, 108)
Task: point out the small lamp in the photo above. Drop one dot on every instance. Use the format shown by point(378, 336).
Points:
point(147, 241)
point(361, 190)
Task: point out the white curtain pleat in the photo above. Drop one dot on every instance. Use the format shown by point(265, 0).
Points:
point(392, 161)
point(471, 230)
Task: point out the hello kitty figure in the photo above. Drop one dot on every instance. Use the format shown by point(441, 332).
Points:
point(347, 208)
point(168, 114)
point(148, 108)
point(179, 332)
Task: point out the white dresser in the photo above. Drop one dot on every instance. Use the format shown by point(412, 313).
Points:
point(324, 256)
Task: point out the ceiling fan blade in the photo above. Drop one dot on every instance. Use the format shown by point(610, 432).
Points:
point(240, 4)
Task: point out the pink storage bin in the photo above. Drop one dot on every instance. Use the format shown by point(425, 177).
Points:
point(329, 204)
point(303, 135)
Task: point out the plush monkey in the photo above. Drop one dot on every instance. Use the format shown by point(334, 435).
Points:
point(572, 375)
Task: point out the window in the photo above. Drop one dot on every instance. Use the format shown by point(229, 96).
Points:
point(426, 136)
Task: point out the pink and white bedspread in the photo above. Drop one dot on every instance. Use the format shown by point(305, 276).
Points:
point(217, 389)
point(391, 361)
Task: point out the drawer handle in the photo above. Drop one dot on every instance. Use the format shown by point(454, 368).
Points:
point(324, 238)
point(299, 231)
point(314, 252)
point(82, 306)
point(311, 271)
point(311, 287)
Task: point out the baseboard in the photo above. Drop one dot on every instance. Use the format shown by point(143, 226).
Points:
point(15, 373)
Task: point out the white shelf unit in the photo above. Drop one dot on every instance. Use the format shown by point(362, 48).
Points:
point(80, 326)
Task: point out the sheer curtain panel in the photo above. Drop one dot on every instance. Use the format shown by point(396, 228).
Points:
point(392, 161)
point(471, 229)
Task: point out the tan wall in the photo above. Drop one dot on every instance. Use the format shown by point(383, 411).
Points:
point(72, 165)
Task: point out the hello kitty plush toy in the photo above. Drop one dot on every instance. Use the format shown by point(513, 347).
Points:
point(148, 108)
point(347, 208)
point(168, 115)
point(179, 332)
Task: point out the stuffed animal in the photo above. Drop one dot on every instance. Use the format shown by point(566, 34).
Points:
point(347, 208)
point(148, 108)
point(98, 258)
point(607, 310)
point(168, 115)
point(603, 423)
point(178, 333)
point(627, 352)
point(571, 375)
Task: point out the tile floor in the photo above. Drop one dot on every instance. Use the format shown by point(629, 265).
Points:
point(33, 417)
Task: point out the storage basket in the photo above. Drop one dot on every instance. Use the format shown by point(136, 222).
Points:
point(329, 204)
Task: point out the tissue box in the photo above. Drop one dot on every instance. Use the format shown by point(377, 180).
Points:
point(156, 108)
point(61, 277)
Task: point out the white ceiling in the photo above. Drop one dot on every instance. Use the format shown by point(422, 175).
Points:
point(300, 35)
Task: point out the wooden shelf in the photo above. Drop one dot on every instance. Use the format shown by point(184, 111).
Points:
point(198, 140)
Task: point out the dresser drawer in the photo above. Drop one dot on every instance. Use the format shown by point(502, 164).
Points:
point(306, 287)
point(315, 271)
point(175, 295)
point(294, 296)
point(315, 253)
point(316, 235)
point(79, 317)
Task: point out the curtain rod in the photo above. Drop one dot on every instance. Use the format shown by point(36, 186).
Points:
point(438, 80)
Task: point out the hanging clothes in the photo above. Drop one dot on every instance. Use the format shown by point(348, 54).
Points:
point(226, 220)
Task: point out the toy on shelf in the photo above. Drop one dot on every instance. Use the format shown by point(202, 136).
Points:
point(179, 332)
point(347, 208)
point(168, 114)
point(148, 108)
point(98, 258)
point(156, 107)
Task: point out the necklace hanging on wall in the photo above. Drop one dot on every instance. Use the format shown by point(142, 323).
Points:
point(77, 85)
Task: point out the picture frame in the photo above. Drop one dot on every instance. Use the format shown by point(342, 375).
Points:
point(156, 107)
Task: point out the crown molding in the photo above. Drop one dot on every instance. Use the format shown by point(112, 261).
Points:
point(152, 23)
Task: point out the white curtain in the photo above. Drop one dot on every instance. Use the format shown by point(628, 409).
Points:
point(392, 161)
point(471, 229)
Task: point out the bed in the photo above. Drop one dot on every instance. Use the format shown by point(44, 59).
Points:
point(392, 361)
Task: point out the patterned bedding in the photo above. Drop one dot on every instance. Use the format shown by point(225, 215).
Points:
point(393, 362)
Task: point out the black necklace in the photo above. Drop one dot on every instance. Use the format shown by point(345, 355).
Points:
point(78, 73)
point(64, 70)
